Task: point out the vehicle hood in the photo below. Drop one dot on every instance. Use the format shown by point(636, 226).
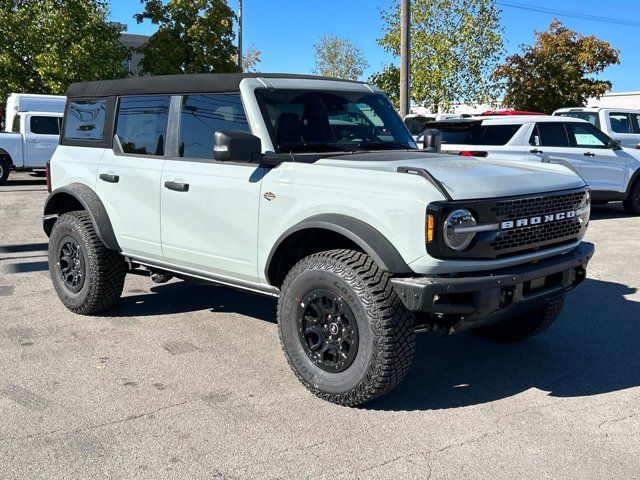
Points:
point(467, 177)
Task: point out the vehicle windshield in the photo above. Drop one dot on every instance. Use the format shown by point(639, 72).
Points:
point(323, 121)
point(591, 117)
point(474, 133)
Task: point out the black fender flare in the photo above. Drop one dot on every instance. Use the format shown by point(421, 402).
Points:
point(59, 202)
point(370, 240)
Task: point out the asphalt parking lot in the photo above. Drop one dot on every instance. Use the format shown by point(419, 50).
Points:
point(188, 381)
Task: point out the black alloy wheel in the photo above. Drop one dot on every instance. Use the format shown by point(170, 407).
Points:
point(71, 265)
point(328, 330)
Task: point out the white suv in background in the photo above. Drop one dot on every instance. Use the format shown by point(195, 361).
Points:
point(613, 172)
point(620, 124)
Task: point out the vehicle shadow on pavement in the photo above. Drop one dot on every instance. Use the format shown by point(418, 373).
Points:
point(183, 297)
point(592, 349)
point(26, 181)
point(609, 211)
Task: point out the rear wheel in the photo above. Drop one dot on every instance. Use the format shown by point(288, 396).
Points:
point(87, 276)
point(345, 333)
point(519, 327)
point(632, 202)
point(5, 165)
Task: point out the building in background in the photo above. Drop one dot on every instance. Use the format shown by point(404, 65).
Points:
point(133, 41)
point(615, 100)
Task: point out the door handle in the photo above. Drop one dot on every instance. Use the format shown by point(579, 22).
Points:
point(589, 154)
point(176, 186)
point(535, 150)
point(109, 178)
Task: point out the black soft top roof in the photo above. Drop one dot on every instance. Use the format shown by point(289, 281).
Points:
point(191, 83)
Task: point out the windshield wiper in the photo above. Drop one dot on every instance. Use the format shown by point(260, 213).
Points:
point(317, 147)
point(380, 146)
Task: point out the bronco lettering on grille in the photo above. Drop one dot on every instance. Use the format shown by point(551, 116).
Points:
point(540, 219)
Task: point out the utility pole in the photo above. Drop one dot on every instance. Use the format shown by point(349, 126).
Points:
point(405, 59)
point(240, 34)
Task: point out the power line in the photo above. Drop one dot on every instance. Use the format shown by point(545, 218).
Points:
point(565, 13)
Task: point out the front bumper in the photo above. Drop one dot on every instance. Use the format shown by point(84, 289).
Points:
point(477, 299)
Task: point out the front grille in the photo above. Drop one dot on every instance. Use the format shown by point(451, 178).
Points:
point(538, 205)
point(534, 236)
point(517, 240)
point(522, 238)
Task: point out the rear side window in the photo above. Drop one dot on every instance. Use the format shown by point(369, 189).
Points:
point(203, 115)
point(45, 125)
point(550, 135)
point(142, 124)
point(85, 120)
point(620, 122)
point(16, 124)
point(417, 125)
point(635, 122)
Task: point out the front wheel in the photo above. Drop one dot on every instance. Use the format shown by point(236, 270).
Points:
point(632, 202)
point(345, 333)
point(5, 165)
point(525, 325)
point(87, 276)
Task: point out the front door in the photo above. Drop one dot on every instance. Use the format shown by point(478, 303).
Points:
point(602, 167)
point(42, 134)
point(209, 218)
point(129, 175)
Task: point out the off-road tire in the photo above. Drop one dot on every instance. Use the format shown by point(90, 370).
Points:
point(386, 335)
point(105, 269)
point(5, 165)
point(519, 327)
point(632, 202)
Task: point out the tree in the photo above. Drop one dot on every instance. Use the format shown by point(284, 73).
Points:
point(389, 81)
point(250, 59)
point(194, 36)
point(339, 58)
point(455, 45)
point(45, 45)
point(554, 71)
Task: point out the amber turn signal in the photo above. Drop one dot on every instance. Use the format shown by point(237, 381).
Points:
point(430, 227)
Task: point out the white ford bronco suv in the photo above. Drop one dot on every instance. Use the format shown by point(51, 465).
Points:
point(310, 190)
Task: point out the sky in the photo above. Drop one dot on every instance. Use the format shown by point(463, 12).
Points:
point(286, 30)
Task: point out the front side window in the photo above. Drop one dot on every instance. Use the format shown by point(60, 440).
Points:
point(142, 124)
point(551, 135)
point(85, 120)
point(635, 122)
point(203, 115)
point(620, 122)
point(45, 125)
point(321, 121)
point(586, 135)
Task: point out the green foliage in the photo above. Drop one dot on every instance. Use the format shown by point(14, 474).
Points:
point(389, 81)
point(554, 71)
point(194, 36)
point(45, 45)
point(339, 58)
point(455, 45)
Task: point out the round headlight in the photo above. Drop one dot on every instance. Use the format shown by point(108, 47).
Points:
point(454, 235)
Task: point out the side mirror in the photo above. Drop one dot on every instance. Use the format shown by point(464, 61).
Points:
point(432, 140)
point(613, 145)
point(236, 146)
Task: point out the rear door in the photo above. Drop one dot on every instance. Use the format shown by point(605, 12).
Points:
point(129, 174)
point(41, 138)
point(625, 128)
point(210, 208)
